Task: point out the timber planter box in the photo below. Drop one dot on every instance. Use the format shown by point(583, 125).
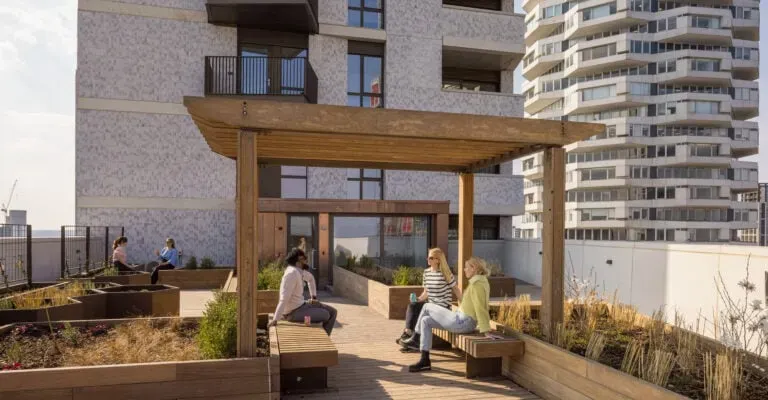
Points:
point(141, 300)
point(268, 300)
point(191, 279)
point(72, 310)
point(125, 278)
point(502, 286)
point(554, 373)
point(389, 301)
point(236, 378)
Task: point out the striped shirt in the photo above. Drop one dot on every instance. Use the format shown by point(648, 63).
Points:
point(438, 290)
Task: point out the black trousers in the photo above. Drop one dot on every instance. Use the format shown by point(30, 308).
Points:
point(156, 271)
point(122, 267)
point(412, 314)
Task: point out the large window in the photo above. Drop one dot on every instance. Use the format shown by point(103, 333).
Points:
point(485, 227)
point(389, 241)
point(365, 85)
point(293, 182)
point(366, 13)
point(364, 184)
point(598, 52)
point(599, 11)
point(602, 92)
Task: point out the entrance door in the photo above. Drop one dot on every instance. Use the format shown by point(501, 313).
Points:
point(302, 233)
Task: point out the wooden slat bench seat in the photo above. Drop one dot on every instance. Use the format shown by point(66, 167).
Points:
point(483, 355)
point(306, 352)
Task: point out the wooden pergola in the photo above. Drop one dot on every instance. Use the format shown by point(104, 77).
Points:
point(256, 132)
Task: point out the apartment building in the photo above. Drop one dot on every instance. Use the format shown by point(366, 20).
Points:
point(142, 163)
point(674, 83)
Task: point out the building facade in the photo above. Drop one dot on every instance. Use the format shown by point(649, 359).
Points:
point(142, 163)
point(674, 83)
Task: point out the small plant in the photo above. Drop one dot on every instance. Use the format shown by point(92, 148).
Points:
point(110, 271)
point(191, 263)
point(217, 337)
point(657, 367)
point(494, 269)
point(15, 353)
point(513, 313)
point(595, 346)
point(366, 262)
point(271, 275)
point(6, 304)
point(407, 276)
point(632, 357)
point(722, 375)
point(207, 263)
point(564, 336)
point(70, 334)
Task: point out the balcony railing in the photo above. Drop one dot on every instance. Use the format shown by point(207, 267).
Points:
point(260, 76)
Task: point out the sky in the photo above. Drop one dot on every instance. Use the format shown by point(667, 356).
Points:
point(38, 57)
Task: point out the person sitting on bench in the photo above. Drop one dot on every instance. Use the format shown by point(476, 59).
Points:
point(120, 256)
point(292, 306)
point(439, 284)
point(472, 314)
point(169, 259)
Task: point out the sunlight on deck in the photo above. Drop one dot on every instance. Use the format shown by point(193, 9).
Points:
point(371, 366)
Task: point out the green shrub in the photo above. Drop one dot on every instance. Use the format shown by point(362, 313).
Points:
point(217, 337)
point(366, 262)
point(207, 263)
point(407, 276)
point(191, 263)
point(270, 276)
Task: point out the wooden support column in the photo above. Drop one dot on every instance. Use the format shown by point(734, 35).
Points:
point(247, 239)
point(441, 231)
point(553, 240)
point(324, 247)
point(466, 229)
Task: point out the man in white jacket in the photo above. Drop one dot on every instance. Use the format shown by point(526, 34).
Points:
point(292, 306)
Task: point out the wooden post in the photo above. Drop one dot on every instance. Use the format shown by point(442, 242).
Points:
point(553, 240)
point(441, 231)
point(466, 229)
point(247, 239)
point(324, 248)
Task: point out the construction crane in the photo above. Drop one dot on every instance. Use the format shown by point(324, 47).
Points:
point(6, 209)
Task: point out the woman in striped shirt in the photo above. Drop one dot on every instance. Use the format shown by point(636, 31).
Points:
point(439, 285)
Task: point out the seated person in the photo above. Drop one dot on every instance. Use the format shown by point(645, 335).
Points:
point(472, 314)
point(292, 306)
point(169, 259)
point(439, 283)
point(120, 255)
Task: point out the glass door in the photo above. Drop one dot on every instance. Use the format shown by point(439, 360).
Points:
point(254, 69)
point(302, 233)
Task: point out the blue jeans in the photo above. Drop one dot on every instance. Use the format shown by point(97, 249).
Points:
point(434, 316)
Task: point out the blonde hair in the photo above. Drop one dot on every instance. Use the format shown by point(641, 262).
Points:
point(442, 263)
point(480, 265)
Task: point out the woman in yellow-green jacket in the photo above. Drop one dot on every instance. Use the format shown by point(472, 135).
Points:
point(471, 315)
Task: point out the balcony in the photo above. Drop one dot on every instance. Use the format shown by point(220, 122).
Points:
point(275, 78)
point(275, 15)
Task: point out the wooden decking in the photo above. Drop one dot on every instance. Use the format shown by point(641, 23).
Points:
point(371, 367)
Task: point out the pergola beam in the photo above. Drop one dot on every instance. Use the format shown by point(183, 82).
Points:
point(247, 240)
point(553, 240)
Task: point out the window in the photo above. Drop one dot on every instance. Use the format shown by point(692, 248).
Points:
point(706, 22)
point(640, 5)
point(364, 184)
point(528, 164)
point(703, 235)
point(599, 11)
point(667, 235)
point(389, 241)
point(746, 94)
point(597, 214)
point(597, 174)
point(667, 192)
point(667, 24)
point(704, 107)
point(705, 192)
point(365, 85)
point(665, 150)
point(598, 52)
point(485, 227)
point(707, 65)
point(640, 89)
point(293, 182)
point(366, 13)
point(597, 93)
point(704, 150)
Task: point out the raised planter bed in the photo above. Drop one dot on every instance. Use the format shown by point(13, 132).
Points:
point(191, 279)
point(205, 379)
point(389, 301)
point(141, 300)
point(554, 373)
point(71, 309)
point(267, 299)
point(125, 278)
point(502, 286)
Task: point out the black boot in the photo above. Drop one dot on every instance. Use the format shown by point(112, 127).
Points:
point(423, 365)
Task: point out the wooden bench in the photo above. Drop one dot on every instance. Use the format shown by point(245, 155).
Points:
point(306, 352)
point(483, 355)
